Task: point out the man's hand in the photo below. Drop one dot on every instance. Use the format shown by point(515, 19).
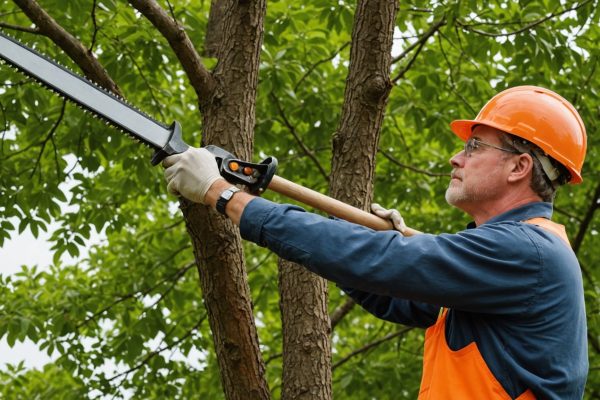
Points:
point(191, 173)
point(391, 214)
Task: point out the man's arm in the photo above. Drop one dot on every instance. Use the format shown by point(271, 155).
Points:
point(395, 309)
point(491, 268)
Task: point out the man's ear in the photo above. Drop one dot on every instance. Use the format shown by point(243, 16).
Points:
point(521, 167)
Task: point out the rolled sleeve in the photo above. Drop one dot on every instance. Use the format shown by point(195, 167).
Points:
point(253, 218)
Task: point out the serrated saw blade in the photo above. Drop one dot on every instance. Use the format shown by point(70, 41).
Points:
point(85, 94)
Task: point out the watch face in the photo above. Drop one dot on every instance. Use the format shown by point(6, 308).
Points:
point(224, 198)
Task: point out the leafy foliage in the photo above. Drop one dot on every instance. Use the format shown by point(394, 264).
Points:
point(128, 320)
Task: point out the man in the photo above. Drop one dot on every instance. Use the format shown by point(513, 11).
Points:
point(502, 301)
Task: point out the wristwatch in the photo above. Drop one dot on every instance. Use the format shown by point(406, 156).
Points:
point(226, 195)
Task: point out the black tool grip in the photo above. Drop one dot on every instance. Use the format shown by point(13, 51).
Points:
point(256, 176)
point(175, 145)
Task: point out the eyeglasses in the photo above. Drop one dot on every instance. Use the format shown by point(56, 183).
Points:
point(473, 144)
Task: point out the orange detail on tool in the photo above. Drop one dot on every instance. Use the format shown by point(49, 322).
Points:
point(234, 166)
point(540, 116)
point(248, 171)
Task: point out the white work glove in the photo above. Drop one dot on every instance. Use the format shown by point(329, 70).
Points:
point(191, 173)
point(391, 214)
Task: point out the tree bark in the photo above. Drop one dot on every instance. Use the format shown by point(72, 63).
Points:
point(306, 328)
point(228, 121)
point(220, 261)
point(367, 90)
point(306, 325)
point(214, 31)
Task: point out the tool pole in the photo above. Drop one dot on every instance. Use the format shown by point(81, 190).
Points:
point(331, 206)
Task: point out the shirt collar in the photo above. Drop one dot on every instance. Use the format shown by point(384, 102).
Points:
point(522, 213)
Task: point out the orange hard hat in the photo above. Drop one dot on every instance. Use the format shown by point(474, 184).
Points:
point(540, 116)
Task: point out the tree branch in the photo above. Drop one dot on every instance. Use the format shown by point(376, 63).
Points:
point(19, 28)
point(171, 10)
point(410, 167)
point(23, 150)
point(49, 137)
point(261, 262)
point(77, 152)
point(593, 341)
point(462, 52)
point(94, 22)
point(419, 44)
point(417, 10)
point(422, 40)
point(156, 352)
point(200, 78)
point(273, 357)
point(176, 276)
point(141, 74)
point(587, 219)
point(292, 130)
point(214, 31)
point(340, 312)
point(451, 76)
point(524, 28)
point(4, 129)
point(48, 27)
point(371, 345)
point(56, 159)
point(315, 65)
point(569, 214)
point(586, 83)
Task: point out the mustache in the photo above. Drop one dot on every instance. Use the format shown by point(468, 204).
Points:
point(455, 175)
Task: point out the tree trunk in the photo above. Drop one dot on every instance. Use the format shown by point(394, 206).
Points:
point(214, 30)
point(229, 123)
point(367, 90)
point(220, 261)
point(306, 326)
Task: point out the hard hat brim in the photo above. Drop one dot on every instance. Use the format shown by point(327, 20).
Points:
point(463, 128)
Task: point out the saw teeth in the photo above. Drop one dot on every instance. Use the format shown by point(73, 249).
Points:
point(115, 96)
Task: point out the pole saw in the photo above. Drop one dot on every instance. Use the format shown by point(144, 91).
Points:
point(167, 140)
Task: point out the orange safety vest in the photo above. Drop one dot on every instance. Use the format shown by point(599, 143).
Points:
point(463, 374)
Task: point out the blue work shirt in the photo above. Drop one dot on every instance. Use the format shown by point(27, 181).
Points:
point(513, 288)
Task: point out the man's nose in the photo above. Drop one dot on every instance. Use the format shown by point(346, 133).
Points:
point(458, 160)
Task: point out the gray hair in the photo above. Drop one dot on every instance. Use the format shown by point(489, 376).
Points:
point(547, 173)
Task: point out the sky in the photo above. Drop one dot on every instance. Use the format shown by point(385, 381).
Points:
point(21, 250)
point(25, 249)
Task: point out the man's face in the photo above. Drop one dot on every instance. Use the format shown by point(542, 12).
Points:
point(478, 177)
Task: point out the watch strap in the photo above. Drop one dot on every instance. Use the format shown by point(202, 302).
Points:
point(225, 197)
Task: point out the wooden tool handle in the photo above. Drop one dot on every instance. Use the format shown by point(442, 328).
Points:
point(331, 206)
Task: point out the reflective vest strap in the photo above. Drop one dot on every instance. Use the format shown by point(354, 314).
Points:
point(552, 227)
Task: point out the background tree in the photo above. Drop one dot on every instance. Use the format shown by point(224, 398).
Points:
point(312, 83)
